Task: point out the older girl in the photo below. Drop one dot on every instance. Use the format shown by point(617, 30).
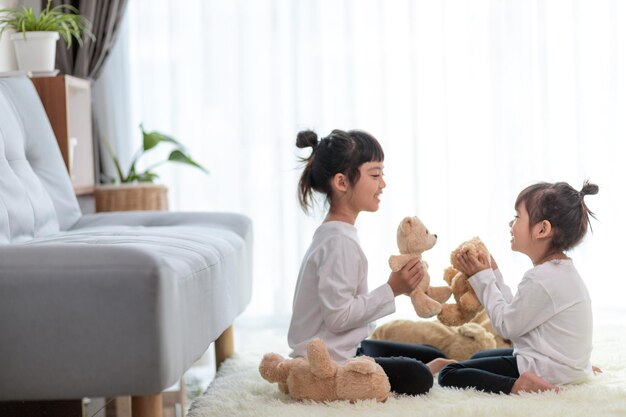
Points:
point(332, 300)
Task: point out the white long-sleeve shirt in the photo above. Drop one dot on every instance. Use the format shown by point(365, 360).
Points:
point(549, 319)
point(331, 299)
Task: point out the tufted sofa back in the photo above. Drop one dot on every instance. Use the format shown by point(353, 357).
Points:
point(36, 196)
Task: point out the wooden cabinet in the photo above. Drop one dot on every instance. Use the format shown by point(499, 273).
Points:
point(67, 101)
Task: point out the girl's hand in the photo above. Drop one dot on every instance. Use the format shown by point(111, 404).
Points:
point(471, 264)
point(494, 265)
point(406, 279)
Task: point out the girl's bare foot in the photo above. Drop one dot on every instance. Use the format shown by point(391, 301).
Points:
point(437, 364)
point(529, 382)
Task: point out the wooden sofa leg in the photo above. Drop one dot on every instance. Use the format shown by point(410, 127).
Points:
point(147, 405)
point(224, 346)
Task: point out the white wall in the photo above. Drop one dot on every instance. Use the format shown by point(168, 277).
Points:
point(7, 56)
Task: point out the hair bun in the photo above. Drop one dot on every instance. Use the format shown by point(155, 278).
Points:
point(306, 138)
point(589, 189)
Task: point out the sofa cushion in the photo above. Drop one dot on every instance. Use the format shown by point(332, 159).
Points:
point(26, 210)
point(36, 196)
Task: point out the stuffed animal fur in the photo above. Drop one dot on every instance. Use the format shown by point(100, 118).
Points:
point(457, 342)
point(467, 303)
point(483, 319)
point(319, 378)
point(413, 239)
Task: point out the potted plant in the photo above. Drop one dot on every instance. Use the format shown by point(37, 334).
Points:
point(133, 189)
point(36, 34)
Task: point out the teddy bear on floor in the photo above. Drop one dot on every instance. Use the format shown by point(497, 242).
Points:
point(413, 239)
point(483, 319)
point(467, 303)
point(318, 378)
point(457, 342)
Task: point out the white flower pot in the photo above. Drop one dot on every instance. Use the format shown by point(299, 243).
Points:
point(35, 51)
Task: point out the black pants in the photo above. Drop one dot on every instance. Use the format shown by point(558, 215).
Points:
point(492, 370)
point(403, 363)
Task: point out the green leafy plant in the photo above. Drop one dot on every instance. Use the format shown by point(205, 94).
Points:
point(150, 141)
point(64, 19)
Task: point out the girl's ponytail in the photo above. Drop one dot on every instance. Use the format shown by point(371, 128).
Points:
point(307, 138)
point(588, 189)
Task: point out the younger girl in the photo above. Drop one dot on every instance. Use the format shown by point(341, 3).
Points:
point(331, 300)
point(549, 318)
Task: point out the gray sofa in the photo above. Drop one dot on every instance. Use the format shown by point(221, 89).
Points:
point(102, 305)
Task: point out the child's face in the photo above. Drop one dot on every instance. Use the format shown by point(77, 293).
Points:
point(520, 232)
point(366, 193)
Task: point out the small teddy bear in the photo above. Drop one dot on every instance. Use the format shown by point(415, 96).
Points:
point(413, 239)
point(318, 378)
point(467, 303)
point(457, 342)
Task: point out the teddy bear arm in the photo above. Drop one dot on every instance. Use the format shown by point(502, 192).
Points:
point(396, 262)
point(439, 294)
point(362, 365)
point(448, 274)
point(424, 305)
point(320, 362)
point(470, 302)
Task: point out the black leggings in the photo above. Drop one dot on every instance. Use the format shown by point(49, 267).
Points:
point(403, 363)
point(492, 370)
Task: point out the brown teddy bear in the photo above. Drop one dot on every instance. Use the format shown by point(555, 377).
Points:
point(457, 342)
point(467, 304)
point(319, 378)
point(413, 239)
point(483, 319)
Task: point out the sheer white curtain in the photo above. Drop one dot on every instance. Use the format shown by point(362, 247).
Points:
point(472, 101)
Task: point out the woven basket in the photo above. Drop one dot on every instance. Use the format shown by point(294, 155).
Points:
point(128, 197)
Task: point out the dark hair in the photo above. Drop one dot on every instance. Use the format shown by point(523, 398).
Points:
point(563, 207)
point(339, 152)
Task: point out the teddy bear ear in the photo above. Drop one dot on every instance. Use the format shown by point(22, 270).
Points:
point(407, 224)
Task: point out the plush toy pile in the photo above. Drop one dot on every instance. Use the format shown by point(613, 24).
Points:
point(457, 342)
point(413, 239)
point(318, 378)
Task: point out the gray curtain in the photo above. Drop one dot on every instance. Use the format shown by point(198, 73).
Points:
point(86, 61)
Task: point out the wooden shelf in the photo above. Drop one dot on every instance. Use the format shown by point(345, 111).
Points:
point(67, 101)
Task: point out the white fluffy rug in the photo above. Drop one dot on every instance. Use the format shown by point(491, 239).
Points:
point(238, 390)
